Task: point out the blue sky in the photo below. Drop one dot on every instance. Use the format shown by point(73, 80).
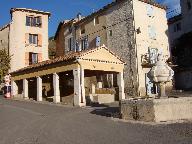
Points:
point(60, 9)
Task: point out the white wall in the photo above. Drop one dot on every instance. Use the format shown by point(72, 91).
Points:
point(17, 45)
point(143, 41)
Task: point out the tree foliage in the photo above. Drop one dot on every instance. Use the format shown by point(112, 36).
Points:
point(52, 48)
point(4, 63)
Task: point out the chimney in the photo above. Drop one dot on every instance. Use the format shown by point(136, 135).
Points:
point(79, 16)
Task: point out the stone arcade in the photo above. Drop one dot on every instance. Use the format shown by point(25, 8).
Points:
point(70, 70)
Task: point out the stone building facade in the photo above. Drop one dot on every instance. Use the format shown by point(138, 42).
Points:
point(4, 37)
point(131, 30)
point(180, 34)
point(26, 37)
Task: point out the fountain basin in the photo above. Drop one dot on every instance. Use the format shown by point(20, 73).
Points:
point(157, 110)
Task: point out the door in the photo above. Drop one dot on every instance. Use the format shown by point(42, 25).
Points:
point(151, 87)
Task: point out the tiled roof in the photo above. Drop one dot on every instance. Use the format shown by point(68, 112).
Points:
point(174, 19)
point(63, 24)
point(30, 10)
point(5, 26)
point(69, 57)
point(117, 2)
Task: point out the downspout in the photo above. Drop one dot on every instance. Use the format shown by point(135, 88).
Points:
point(81, 82)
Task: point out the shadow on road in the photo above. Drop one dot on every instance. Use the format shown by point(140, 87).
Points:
point(106, 110)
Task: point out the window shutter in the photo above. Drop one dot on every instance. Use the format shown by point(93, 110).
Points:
point(69, 44)
point(86, 43)
point(150, 11)
point(98, 41)
point(27, 38)
point(153, 52)
point(27, 21)
point(77, 46)
point(152, 32)
point(39, 40)
point(40, 57)
point(39, 21)
point(26, 58)
point(30, 58)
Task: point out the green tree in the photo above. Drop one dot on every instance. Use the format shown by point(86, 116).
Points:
point(4, 63)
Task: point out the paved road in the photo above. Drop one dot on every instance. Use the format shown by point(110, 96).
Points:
point(33, 123)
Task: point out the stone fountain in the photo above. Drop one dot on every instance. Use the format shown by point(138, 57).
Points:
point(161, 73)
point(158, 110)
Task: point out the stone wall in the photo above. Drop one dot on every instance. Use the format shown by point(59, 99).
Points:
point(4, 38)
point(120, 39)
point(157, 110)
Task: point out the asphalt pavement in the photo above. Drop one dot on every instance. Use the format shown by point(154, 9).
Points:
point(24, 122)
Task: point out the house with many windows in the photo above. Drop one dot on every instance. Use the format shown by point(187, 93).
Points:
point(104, 57)
point(25, 37)
point(180, 34)
point(135, 30)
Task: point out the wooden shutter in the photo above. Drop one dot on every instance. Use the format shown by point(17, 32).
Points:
point(30, 58)
point(98, 41)
point(86, 43)
point(27, 38)
point(39, 21)
point(40, 57)
point(150, 11)
point(26, 58)
point(39, 40)
point(152, 32)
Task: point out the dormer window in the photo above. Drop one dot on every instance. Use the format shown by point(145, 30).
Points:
point(96, 20)
point(33, 21)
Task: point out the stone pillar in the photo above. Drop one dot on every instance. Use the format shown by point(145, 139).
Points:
point(56, 98)
point(14, 89)
point(25, 89)
point(83, 101)
point(93, 88)
point(79, 88)
point(120, 81)
point(39, 89)
point(112, 80)
point(99, 82)
point(162, 90)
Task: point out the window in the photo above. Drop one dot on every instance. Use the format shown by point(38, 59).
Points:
point(177, 27)
point(70, 41)
point(188, 5)
point(150, 11)
point(98, 41)
point(152, 32)
point(33, 39)
point(82, 30)
point(153, 53)
point(110, 33)
point(33, 21)
point(70, 29)
point(96, 20)
point(84, 44)
point(33, 58)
